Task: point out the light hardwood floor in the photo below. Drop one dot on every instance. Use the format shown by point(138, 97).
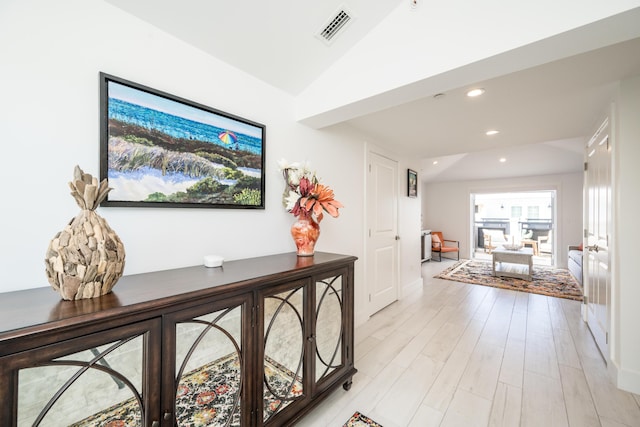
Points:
point(454, 354)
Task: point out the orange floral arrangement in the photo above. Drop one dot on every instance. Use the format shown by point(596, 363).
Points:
point(304, 195)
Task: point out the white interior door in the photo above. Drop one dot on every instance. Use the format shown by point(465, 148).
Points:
point(597, 273)
point(382, 243)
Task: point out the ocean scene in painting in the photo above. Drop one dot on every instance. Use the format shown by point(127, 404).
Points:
point(161, 150)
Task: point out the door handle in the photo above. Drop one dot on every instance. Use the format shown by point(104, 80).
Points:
point(397, 237)
point(593, 248)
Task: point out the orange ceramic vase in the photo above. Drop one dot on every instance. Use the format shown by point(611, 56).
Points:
point(305, 232)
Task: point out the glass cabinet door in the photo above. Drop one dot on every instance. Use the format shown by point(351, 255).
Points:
point(284, 348)
point(94, 380)
point(209, 366)
point(329, 326)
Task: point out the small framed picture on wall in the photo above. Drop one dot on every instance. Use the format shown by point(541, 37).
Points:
point(412, 183)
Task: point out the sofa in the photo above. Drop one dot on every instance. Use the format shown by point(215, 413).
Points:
point(574, 262)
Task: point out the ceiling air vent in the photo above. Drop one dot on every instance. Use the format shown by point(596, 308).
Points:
point(337, 22)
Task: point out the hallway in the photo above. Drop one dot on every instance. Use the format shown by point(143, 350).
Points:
point(454, 354)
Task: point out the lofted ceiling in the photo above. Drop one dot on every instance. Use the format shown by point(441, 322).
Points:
point(273, 40)
point(543, 112)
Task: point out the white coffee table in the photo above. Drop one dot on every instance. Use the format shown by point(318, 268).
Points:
point(522, 256)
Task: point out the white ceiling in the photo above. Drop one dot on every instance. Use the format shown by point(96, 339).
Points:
point(543, 113)
point(273, 40)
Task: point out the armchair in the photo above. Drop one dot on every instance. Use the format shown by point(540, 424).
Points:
point(488, 247)
point(439, 245)
point(493, 239)
point(545, 243)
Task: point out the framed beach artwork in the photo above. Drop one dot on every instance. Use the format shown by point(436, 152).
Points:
point(159, 150)
point(412, 183)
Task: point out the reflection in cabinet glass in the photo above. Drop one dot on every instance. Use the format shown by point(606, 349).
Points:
point(71, 390)
point(208, 369)
point(329, 326)
point(283, 349)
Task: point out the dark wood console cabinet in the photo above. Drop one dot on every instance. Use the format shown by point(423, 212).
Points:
point(255, 342)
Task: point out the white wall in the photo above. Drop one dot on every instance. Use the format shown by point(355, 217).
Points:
point(409, 230)
point(446, 207)
point(50, 124)
point(49, 62)
point(625, 339)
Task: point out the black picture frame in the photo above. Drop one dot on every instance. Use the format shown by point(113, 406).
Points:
point(412, 183)
point(160, 150)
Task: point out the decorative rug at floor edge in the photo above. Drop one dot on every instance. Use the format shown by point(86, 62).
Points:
point(554, 282)
point(359, 420)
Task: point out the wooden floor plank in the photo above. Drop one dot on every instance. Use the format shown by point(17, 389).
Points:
point(403, 398)
point(481, 375)
point(565, 349)
point(611, 402)
point(577, 396)
point(506, 407)
point(542, 401)
point(540, 355)
point(444, 387)
point(467, 409)
point(512, 368)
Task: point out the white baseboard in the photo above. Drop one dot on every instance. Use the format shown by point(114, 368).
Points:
point(414, 286)
point(360, 316)
point(624, 379)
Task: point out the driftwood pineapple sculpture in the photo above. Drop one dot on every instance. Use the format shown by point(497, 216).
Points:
point(86, 259)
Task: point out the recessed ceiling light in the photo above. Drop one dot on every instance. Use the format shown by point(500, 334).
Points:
point(492, 132)
point(503, 159)
point(475, 92)
point(435, 162)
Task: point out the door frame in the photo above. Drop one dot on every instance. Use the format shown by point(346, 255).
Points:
point(369, 268)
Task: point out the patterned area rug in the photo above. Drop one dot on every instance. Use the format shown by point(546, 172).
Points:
point(555, 282)
point(207, 397)
point(359, 420)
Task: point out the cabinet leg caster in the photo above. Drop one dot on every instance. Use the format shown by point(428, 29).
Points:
point(347, 384)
